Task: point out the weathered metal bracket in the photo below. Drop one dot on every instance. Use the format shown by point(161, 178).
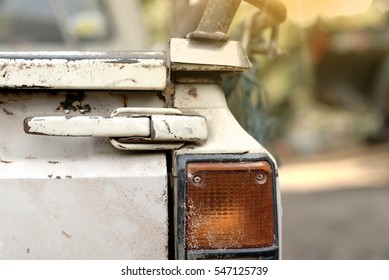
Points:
point(200, 61)
point(188, 55)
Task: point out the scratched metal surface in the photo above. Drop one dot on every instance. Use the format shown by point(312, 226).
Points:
point(83, 70)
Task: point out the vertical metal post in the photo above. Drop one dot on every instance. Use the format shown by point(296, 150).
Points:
point(216, 20)
point(218, 16)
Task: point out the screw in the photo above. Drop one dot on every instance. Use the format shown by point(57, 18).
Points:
point(197, 180)
point(261, 178)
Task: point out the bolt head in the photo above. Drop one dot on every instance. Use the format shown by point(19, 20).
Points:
point(197, 180)
point(261, 178)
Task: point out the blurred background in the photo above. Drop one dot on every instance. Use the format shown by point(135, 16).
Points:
point(317, 98)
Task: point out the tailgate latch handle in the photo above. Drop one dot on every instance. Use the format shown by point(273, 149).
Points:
point(127, 128)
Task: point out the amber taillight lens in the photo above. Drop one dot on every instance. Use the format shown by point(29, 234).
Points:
point(229, 205)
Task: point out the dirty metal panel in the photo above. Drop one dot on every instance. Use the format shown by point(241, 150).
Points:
point(58, 212)
point(225, 135)
point(83, 70)
point(78, 198)
point(192, 55)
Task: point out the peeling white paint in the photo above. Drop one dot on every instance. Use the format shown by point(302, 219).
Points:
point(77, 70)
point(89, 126)
point(151, 127)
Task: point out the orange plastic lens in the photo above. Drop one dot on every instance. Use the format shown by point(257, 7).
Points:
point(229, 205)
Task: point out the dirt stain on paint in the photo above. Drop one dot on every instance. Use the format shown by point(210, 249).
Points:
point(67, 235)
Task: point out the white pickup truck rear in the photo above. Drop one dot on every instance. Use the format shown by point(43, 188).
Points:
point(162, 169)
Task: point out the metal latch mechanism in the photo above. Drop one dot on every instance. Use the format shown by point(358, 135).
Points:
point(127, 128)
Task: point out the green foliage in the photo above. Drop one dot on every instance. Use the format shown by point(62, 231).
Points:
point(246, 97)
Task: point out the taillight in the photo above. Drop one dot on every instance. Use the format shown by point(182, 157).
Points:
point(229, 205)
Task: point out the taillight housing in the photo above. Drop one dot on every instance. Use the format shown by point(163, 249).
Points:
point(226, 207)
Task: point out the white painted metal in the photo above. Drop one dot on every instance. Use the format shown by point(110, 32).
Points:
point(97, 208)
point(136, 125)
point(145, 111)
point(179, 128)
point(189, 55)
point(88, 126)
point(78, 198)
point(151, 146)
point(169, 131)
point(225, 135)
point(86, 70)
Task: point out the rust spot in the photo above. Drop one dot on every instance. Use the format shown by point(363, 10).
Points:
point(8, 113)
point(70, 99)
point(67, 235)
point(27, 128)
point(161, 96)
point(192, 91)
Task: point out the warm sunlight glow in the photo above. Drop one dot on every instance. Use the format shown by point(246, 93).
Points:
point(306, 11)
